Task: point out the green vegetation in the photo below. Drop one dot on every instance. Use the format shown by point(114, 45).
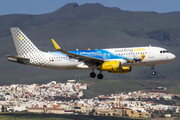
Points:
point(106, 87)
point(32, 116)
point(159, 35)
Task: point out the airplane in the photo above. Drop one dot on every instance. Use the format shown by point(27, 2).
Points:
point(115, 60)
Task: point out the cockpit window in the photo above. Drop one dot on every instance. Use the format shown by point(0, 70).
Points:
point(164, 51)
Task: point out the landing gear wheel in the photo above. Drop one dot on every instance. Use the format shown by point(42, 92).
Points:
point(100, 76)
point(92, 75)
point(153, 73)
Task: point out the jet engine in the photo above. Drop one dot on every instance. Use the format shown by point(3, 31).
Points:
point(122, 70)
point(114, 67)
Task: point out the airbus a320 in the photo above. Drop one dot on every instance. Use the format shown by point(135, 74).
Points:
point(115, 60)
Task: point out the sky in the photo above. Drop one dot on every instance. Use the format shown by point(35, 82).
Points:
point(46, 6)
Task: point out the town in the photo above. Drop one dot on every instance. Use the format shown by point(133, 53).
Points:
point(68, 98)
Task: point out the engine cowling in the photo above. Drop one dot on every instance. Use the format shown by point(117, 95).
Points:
point(122, 70)
point(114, 67)
point(111, 65)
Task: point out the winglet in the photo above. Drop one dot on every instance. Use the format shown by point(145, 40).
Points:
point(55, 44)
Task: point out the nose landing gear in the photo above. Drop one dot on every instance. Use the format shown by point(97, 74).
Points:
point(153, 72)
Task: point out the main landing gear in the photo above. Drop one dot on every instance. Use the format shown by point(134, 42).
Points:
point(153, 72)
point(93, 75)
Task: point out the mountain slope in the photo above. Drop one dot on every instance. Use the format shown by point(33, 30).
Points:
point(89, 26)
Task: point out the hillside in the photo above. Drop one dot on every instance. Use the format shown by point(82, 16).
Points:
point(90, 26)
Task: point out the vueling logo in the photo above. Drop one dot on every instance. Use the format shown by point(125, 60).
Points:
point(139, 49)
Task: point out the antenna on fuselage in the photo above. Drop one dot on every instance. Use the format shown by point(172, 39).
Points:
point(149, 45)
point(76, 49)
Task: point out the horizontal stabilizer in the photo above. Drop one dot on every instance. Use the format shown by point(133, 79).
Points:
point(20, 58)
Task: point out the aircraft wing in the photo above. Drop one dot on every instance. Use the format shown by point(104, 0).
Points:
point(86, 59)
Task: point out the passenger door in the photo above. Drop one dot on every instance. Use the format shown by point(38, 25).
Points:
point(151, 52)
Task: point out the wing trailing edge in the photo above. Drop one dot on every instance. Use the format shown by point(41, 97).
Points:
point(76, 56)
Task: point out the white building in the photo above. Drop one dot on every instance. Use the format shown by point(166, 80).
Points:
point(20, 108)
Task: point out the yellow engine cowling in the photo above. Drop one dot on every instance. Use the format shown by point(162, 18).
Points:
point(122, 70)
point(114, 67)
point(111, 65)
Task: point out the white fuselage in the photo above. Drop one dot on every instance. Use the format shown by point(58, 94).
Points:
point(116, 60)
point(137, 56)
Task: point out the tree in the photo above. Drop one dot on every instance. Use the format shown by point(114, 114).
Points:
point(168, 112)
point(156, 113)
point(3, 109)
point(92, 112)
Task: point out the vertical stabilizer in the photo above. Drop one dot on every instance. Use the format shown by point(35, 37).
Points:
point(22, 43)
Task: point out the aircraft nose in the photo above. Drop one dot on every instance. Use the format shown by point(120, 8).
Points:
point(172, 57)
